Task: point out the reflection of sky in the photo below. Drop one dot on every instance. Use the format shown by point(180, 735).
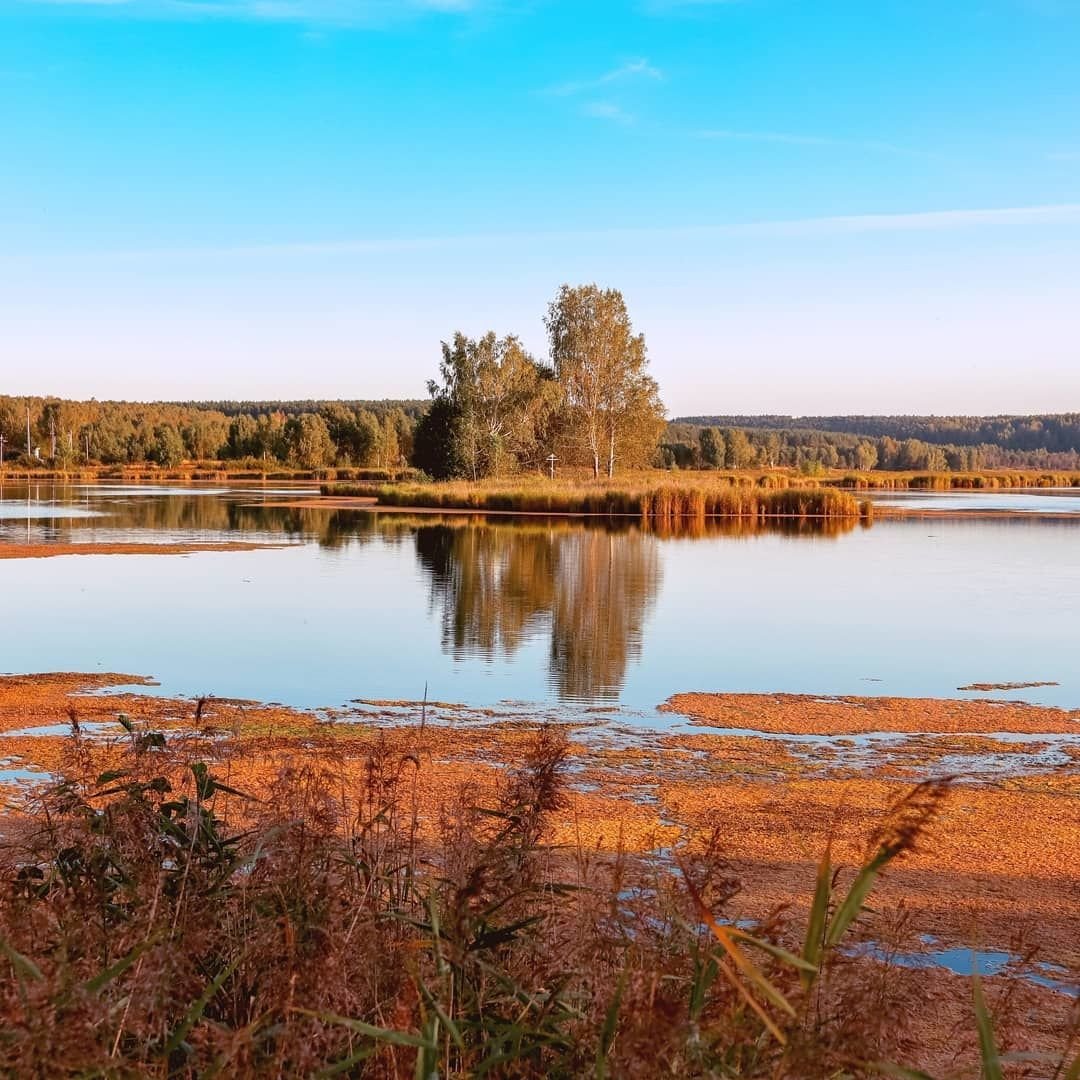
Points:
point(13, 511)
point(1026, 502)
point(907, 607)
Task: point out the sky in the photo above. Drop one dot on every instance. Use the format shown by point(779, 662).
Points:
point(811, 206)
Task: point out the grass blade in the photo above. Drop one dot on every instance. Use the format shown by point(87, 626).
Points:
point(386, 1035)
point(611, 1023)
point(813, 946)
point(988, 1051)
point(853, 903)
point(103, 978)
point(344, 1064)
point(748, 969)
point(198, 1006)
point(22, 965)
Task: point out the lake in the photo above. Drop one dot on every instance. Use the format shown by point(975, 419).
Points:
point(552, 612)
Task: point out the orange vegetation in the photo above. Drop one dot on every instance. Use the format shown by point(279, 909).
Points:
point(1003, 859)
point(46, 551)
point(805, 714)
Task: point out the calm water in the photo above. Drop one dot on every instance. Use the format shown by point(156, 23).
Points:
point(375, 606)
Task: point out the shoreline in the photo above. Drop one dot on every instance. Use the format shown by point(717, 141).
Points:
point(55, 550)
point(776, 802)
point(371, 504)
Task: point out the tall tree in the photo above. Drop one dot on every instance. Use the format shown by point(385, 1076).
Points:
point(310, 445)
point(739, 452)
point(712, 447)
point(613, 405)
point(437, 441)
point(502, 402)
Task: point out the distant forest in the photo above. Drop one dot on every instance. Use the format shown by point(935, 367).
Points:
point(381, 434)
point(306, 434)
point(935, 443)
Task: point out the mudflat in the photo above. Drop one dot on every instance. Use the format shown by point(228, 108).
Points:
point(50, 551)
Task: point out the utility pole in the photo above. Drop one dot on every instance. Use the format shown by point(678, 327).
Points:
point(27, 430)
point(551, 463)
point(52, 433)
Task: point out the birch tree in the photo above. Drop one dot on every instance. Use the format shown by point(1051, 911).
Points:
point(615, 413)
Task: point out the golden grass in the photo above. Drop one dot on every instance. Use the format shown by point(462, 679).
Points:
point(673, 499)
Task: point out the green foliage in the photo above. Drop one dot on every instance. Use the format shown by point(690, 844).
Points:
point(613, 412)
point(309, 442)
point(438, 440)
point(713, 448)
point(920, 443)
point(167, 434)
point(168, 446)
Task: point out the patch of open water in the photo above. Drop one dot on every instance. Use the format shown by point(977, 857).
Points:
point(551, 612)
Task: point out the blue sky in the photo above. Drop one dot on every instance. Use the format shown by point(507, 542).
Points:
point(867, 205)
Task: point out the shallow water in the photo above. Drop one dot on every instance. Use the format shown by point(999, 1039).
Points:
point(482, 611)
point(968, 962)
point(1048, 501)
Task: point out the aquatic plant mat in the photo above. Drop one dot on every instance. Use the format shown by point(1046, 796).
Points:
point(53, 549)
point(197, 887)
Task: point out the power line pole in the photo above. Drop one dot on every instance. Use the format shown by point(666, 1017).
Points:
point(27, 430)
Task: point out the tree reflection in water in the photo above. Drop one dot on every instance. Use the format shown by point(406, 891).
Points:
point(588, 588)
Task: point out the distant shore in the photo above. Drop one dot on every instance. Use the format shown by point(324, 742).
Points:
point(277, 472)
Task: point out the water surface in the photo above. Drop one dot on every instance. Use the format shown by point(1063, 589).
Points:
point(482, 611)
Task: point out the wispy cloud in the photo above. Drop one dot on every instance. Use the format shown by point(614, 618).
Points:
point(338, 12)
point(631, 70)
point(1063, 155)
point(765, 137)
point(607, 110)
point(675, 7)
point(788, 138)
point(921, 221)
point(1056, 214)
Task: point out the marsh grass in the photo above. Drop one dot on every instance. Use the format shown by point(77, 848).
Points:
point(988, 480)
point(648, 502)
point(156, 921)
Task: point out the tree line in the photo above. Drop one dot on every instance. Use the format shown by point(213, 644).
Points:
point(691, 445)
point(494, 409)
point(66, 434)
point(902, 442)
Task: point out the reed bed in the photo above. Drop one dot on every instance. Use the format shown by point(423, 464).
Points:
point(654, 503)
point(949, 481)
point(217, 471)
point(157, 922)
